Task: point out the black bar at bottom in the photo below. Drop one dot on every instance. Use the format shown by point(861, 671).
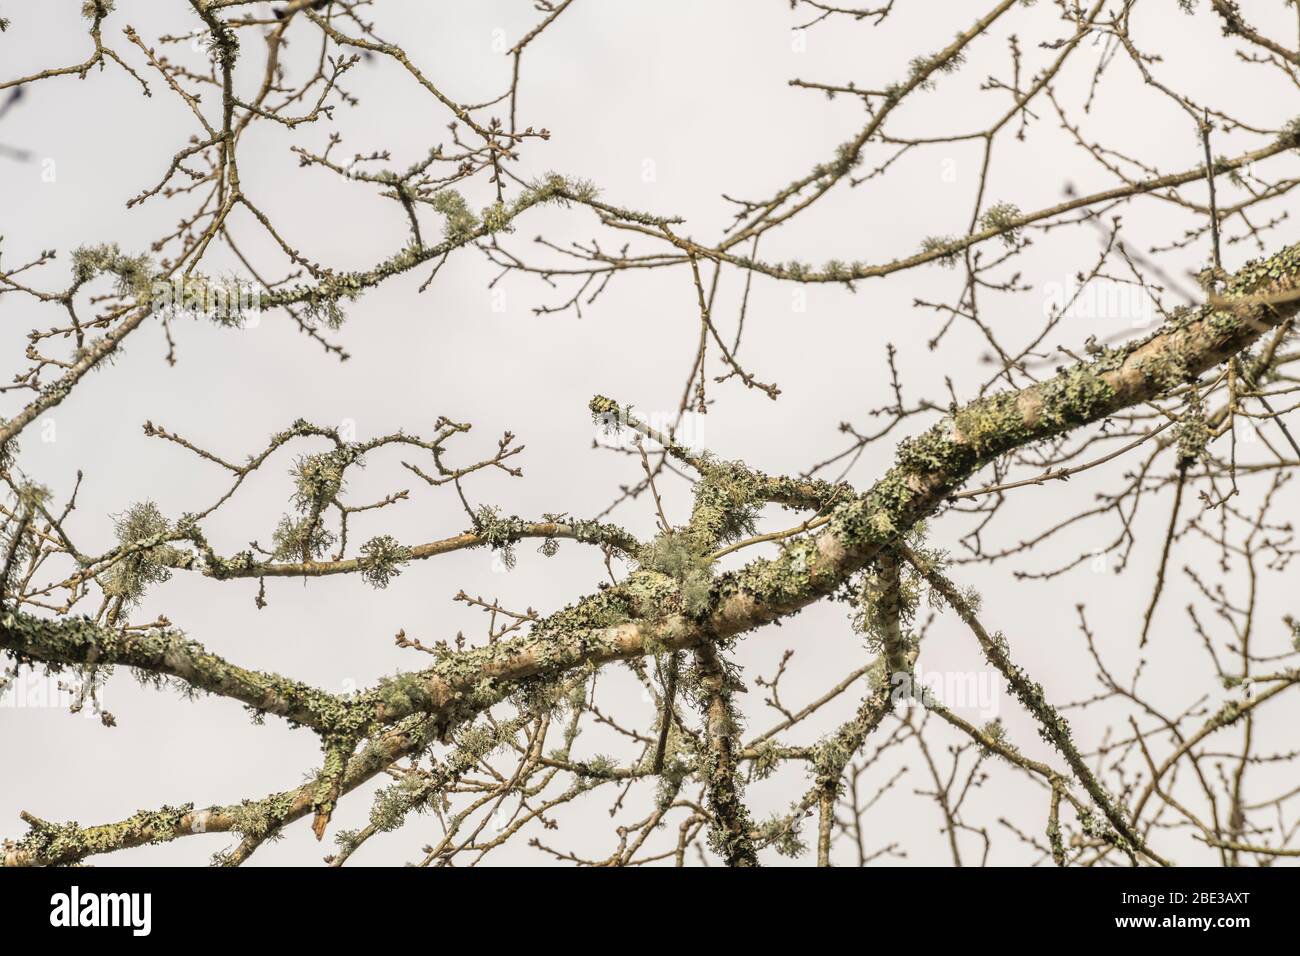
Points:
point(490, 905)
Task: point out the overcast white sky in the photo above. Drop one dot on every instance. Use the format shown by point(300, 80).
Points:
point(699, 93)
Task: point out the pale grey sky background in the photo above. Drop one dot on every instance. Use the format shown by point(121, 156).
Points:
point(700, 90)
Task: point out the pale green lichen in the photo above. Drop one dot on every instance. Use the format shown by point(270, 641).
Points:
point(942, 248)
point(383, 558)
point(302, 539)
point(673, 554)
point(134, 274)
point(1002, 217)
point(782, 834)
point(97, 9)
point(142, 532)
